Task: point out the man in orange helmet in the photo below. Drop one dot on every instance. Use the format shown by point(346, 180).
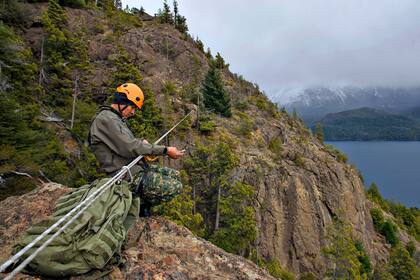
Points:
point(110, 138)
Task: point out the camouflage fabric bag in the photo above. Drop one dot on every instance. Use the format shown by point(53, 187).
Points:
point(92, 239)
point(161, 184)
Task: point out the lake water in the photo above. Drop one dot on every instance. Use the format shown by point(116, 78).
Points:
point(393, 166)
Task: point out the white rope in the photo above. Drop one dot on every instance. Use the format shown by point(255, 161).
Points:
point(125, 167)
point(88, 201)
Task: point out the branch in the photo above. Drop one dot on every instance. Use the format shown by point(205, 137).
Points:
point(21, 174)
point(43, 176)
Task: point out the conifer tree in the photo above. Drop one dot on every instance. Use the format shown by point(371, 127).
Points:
point(176, 12)
point(56, 14)
point(208, 54)
point(200, 44)
point(219, 61)
point(118, 4)
point(214, 94)
point(181, 24)
point(165, 15)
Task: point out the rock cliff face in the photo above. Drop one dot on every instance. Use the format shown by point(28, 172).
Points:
point(300, 185)
point(154, 249)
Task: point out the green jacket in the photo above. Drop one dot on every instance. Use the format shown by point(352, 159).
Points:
point(113, 143)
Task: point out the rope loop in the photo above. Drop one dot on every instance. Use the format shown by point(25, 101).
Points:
point(126, 168)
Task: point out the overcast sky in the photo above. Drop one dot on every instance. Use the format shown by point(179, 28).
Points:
point(289, 44)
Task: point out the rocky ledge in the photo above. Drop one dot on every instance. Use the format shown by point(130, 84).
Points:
point(155, 249)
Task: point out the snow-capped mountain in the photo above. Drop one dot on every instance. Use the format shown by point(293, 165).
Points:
point(312, 104)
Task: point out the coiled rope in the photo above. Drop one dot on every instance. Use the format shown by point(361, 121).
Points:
point(86, 203)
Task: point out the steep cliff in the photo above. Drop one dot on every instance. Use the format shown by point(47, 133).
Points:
point(300, 184)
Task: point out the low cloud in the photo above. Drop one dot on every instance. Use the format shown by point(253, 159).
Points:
point(282, 44)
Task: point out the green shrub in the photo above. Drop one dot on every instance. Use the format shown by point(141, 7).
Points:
point(206, 125)
point(363, 257)
point(378, 218)
point(401, 265)
point(73, 3)
point(299, 161)
point(239, 227)
point(242, 106)
point(180, 209)
point(274, 268)
point(246, 126)
point(348, 260)
point(336, 153)
point(411, 248)
point(384, 227)
point(275, 147)
point(389, 230)
point(307, 276)
point(169, 88)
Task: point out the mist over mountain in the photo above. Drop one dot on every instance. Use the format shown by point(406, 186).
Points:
point(312, 104)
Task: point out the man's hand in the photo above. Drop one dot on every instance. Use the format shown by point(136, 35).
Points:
point(145, 141)
point(174, 153)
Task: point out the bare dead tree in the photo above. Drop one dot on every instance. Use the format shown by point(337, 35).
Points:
point(41, 77)
point(216, 224)
point(75, 94)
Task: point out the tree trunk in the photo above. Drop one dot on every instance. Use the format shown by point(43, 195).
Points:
point(216, 224)
point(41, 64)
point(74, 103)
point(194, 203)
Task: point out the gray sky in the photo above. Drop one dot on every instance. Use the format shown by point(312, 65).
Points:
point(284, 45)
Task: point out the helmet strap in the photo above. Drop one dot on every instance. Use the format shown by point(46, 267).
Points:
point(122, 110)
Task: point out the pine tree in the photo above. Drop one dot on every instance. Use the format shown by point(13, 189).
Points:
point(200, 44)
point(214, 94)
point(165, 15)
point(208, 54)
point(56, 14)
point(118, 4)
point(181, 24)
point(176, 12)
point(219, 61)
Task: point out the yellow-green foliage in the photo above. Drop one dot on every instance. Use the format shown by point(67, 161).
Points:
point(206, 124)
point(275, 147)
point(120, 21)
point(307, 276)
point(246, 126)
point(209, 168)
point(348, 260)
point(238, 227)
point(181, 209)
point(406, 218)
point(169, 88)
point(401, 265)
point(341, 157)
point(273, 267)
point(299, 161)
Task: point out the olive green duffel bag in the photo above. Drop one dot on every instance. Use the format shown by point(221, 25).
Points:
point(92, 239)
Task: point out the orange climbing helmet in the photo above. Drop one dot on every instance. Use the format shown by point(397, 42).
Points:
point(133, 93)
